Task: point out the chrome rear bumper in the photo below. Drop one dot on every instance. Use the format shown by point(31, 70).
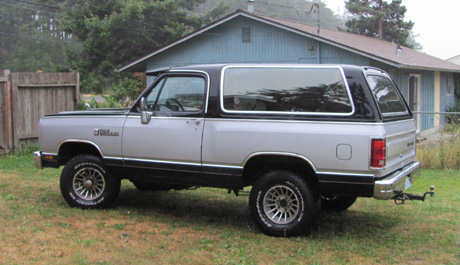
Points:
point(398, 181)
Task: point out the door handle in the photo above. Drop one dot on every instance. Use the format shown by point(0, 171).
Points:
point(193, 122)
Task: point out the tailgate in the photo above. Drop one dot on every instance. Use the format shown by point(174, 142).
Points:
point(400, 147)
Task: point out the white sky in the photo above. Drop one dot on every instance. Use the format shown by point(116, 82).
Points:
point(437, 24)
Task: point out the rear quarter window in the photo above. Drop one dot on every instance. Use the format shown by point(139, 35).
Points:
point(389, 100)
point(286, 90)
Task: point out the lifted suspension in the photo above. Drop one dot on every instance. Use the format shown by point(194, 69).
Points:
point(400, 197)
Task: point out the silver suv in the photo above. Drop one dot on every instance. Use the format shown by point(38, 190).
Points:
point(303, 136)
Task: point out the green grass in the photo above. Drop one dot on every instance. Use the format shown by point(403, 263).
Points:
point(209, 226)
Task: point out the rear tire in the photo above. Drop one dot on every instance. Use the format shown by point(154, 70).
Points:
point(281, 204)
point(85, 183)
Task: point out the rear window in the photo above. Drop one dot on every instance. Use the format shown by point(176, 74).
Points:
point(387, 96)
point(286, 90)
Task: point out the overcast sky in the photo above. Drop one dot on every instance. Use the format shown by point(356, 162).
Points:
point(437, 24)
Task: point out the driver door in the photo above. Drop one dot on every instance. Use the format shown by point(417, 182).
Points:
point(168, 148)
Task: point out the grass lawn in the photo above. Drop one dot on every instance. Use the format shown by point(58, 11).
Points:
point(209, 226)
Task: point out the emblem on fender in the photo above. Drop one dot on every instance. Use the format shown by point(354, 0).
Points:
point(105, 132)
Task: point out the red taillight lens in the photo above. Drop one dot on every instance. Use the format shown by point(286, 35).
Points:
point(378, 153)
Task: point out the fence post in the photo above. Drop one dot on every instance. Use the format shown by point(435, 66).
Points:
point(7, 120)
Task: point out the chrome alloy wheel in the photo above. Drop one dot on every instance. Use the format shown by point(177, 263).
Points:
point(88, 184)
point(281, 204)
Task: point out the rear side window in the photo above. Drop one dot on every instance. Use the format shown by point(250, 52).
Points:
point(387, 96)
point(286, 90)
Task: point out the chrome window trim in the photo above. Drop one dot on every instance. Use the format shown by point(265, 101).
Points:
point(162, 161)
point(222, 166)
point(207, 79)
point(350, 98)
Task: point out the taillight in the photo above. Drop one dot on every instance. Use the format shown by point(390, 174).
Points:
point(378, 153)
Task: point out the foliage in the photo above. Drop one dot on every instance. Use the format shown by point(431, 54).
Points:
point(31, 38)
point(115, 32)
point(454, 119)
point(286, 9)
point(127, 91)
point(92, 37)
point(445, 153)
point(377, 18)
point(109, 102)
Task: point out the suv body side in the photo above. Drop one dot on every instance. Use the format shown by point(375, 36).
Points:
point(228, 149)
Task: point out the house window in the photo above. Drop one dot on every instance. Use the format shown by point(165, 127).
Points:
point(246, 34)
point(449, 84)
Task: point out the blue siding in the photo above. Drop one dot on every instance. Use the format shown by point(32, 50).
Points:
point(270, 44)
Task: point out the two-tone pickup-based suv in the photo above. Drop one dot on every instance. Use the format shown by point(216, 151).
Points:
point(303, 136)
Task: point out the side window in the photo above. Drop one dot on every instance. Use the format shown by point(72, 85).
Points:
point(286, 90)
point(177, 95)
point(386, 94)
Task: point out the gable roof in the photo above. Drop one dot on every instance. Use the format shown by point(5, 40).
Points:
point(376, 49)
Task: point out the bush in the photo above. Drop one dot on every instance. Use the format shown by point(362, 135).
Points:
point(126, 91)
point(93, 104)
point(454, 119)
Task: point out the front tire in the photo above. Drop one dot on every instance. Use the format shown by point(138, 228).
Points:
point(86, 183)
point(281, 204)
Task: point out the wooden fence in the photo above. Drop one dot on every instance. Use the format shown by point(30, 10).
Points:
point(26, 97)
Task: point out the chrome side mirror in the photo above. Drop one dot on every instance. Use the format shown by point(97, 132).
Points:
point(143, 104)
point(145, 116)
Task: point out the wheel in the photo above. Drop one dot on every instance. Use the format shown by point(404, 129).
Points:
point(281, 204)
point(86, 183)
point(337, 203)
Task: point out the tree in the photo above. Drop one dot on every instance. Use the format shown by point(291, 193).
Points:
point(115, 32)
point(295, 10)
point(30, 36)
point(377, 18)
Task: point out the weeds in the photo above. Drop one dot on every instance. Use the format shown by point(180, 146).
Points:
point(445, 154)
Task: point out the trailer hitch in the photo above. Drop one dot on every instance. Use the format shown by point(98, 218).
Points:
point(401, 197)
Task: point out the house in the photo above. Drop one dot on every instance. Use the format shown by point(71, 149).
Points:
point(455, 59)
point(247, 37)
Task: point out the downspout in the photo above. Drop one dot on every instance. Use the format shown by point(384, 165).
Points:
point(318, 53)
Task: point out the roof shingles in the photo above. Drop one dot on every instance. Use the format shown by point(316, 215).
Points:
point(374, 48)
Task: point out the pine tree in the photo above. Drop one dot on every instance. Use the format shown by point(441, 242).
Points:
point(377, 18)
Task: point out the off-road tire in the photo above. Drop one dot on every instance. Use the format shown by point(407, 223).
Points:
point(86, 183)
point(282, 204)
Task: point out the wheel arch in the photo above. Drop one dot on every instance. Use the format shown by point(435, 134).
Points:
point(70, 148)
point(258, 163)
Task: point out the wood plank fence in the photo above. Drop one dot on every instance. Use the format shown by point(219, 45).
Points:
point(26, 97)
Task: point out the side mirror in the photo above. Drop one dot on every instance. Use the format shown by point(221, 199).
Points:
point(143, 104)
point(145, 116)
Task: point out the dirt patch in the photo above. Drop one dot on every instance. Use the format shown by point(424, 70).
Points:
point(434, 139)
